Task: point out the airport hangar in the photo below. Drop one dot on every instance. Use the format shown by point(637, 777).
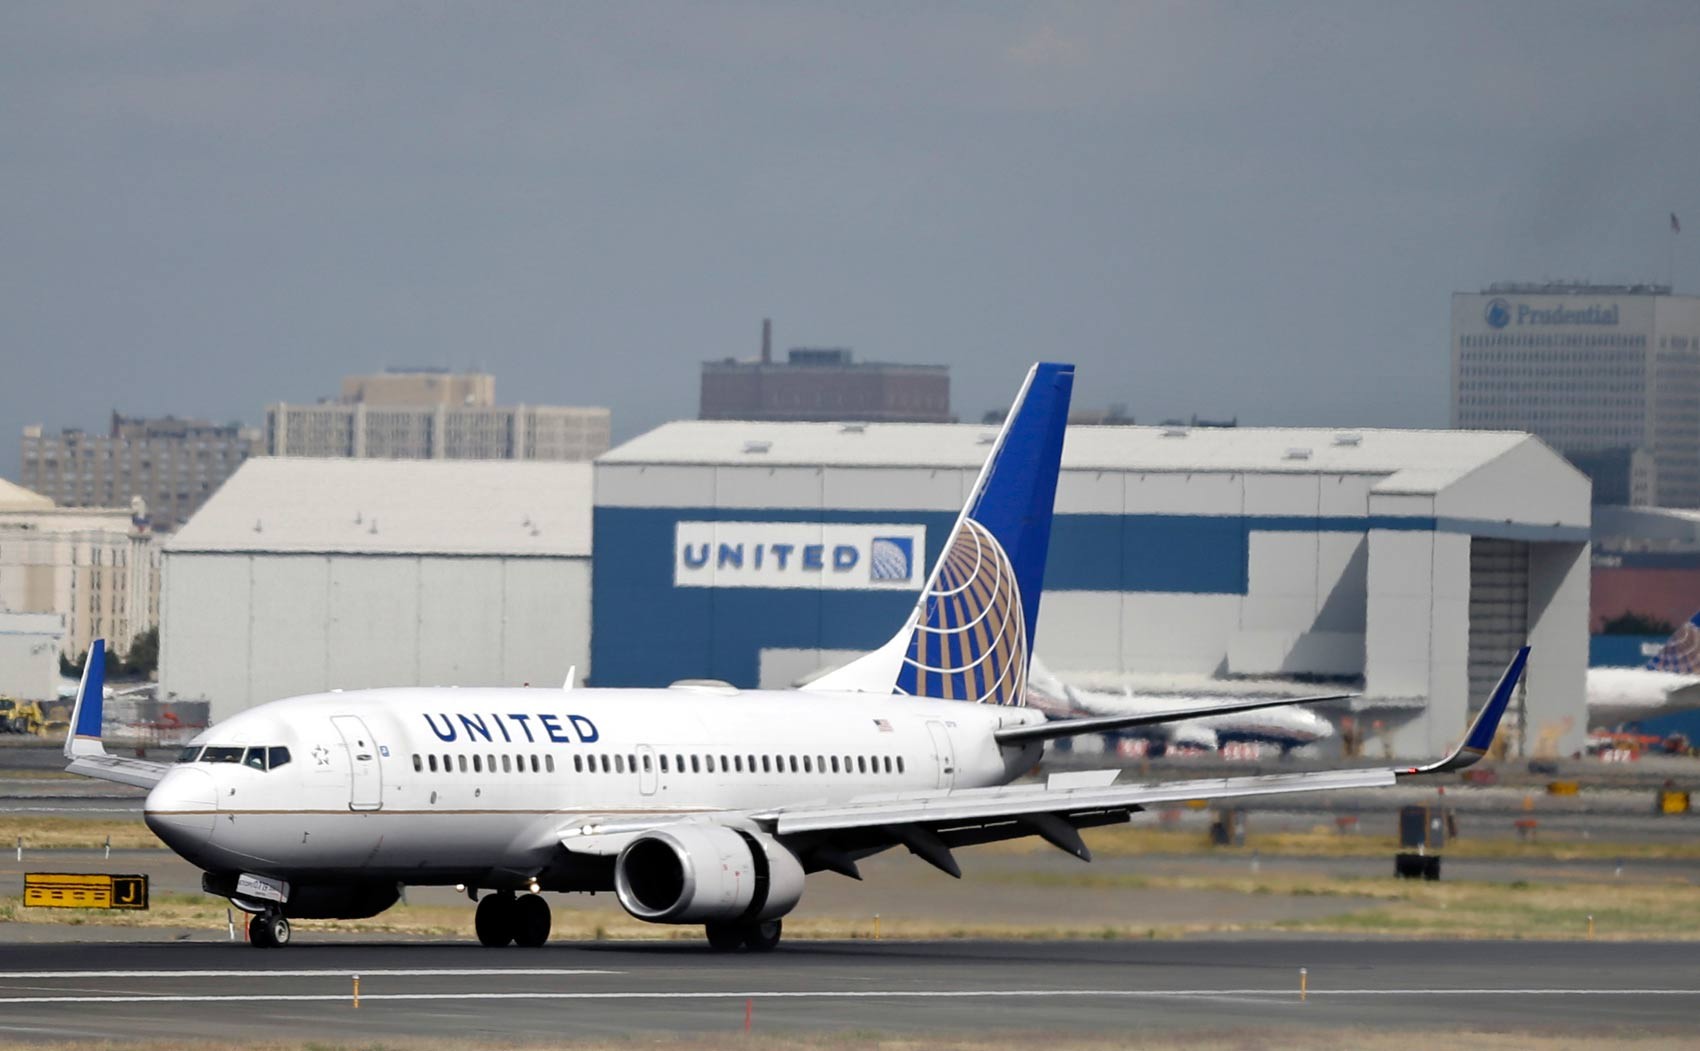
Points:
point(302, 575)
point(1414, 562)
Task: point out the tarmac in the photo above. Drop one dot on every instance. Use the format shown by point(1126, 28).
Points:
point(208, 991)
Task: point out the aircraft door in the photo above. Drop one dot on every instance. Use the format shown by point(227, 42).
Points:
point(943, 752)
point(646, 770)
point(365, 786)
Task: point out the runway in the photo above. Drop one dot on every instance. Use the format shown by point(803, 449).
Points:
point(212, 992)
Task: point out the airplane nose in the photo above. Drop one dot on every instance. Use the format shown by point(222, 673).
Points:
point(181, 810)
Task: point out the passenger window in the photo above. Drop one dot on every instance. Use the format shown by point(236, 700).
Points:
point(578, 764)
point(534, 764)
point(605, 767)
point(433, 761)
point(808, 768)
point(695, 766)
point(766, 765)
point(738, 763)
point(679, 763)
point(507, 764)
point(255, 759)
point(418, 763)
point(549, 763)
point(276, 756)
point(490, 763)
point(519, 764)
point(631, 763)
point(189, 754)
point(664, 762)
point(835, 764)
point(448, 764)
point(462, 763)
point(793, 764)
point(619, 764)
point(820, 763)
point(888, 764)
point(478, 764)
point(900, 764)
point(752, 764)
point(646, 764)
point(861, 764)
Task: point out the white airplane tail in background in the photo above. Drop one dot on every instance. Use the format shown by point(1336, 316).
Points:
point(971, 633)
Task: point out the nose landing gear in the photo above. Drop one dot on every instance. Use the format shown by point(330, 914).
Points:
point(268, 930)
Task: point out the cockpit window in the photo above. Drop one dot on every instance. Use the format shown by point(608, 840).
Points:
point(189, 754)
point(255, 759)
point(276, 756)
point(220, 754)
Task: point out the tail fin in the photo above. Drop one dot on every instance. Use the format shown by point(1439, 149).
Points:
point(84, 736)
point(971, 633)
point(1682, 650)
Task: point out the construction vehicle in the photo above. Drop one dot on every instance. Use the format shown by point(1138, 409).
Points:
point(20, 717)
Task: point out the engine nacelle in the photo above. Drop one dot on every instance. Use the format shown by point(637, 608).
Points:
point(707, 873)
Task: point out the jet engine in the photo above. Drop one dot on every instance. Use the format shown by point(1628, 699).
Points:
point(707, 874)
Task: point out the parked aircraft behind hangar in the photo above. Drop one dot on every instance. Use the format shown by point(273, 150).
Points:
point(698, 804)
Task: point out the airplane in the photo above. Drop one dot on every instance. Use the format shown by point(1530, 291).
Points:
point(1283, 725)
point(698, 803)
point(1623, 695)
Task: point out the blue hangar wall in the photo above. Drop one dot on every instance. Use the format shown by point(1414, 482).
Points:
point(649, 630)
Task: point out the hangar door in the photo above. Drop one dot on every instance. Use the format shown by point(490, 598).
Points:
point(1499, 616)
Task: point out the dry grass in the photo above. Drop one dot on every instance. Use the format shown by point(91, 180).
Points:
point(1119, 841)
point(1399, 908)
point(71, 833)
point(1325, 841)
point(1193, 1040)
point(1446, 909)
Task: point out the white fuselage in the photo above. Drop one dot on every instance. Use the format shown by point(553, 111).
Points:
point(1622, 695)
point(479, 786)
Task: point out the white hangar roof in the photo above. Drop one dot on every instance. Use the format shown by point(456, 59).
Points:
point(1417, 461)
point(296, 505)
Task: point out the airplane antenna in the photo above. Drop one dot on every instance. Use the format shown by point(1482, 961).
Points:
point(572, 673)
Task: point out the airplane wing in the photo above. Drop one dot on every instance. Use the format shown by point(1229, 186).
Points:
point(930, 824)
point(83, 745)
point(1105, 723)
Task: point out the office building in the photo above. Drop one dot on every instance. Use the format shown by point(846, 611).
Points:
point(823, 384)
point(173, 465)
point(1608, 375)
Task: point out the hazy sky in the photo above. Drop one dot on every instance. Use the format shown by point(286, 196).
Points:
point(1231, 209)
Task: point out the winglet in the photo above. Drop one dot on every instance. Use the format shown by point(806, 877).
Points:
point(1486, 725)
point(84, 738)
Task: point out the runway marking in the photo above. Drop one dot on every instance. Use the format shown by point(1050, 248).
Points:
point(340, 972)
point(835, 994)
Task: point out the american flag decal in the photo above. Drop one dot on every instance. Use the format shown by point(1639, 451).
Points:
point(885, 727)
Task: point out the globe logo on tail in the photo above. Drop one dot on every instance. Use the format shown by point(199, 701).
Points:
point(971, 644)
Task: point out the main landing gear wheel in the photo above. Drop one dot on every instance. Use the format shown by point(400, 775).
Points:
point(494, 920)
point(762, 937)
point(268, 930)
point(530, 921)
point(725, 937)
point(756, 937)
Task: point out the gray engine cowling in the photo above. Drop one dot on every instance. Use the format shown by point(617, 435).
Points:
point(707, 873)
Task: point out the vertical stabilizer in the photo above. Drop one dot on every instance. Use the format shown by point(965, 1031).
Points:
point(971, 633)
point(1682, 650)
point(84, 736)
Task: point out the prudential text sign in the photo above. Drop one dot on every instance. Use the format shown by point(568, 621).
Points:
point(799, 555)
